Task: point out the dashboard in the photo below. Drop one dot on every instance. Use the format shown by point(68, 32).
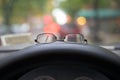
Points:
point(6, 51)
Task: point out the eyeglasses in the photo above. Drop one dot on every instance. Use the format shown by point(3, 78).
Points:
point(49, 38)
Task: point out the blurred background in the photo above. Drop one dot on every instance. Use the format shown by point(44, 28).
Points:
point(97, 20)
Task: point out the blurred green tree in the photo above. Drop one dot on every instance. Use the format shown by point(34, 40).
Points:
point(73, 6)
point(7, 9)
point(21, 8)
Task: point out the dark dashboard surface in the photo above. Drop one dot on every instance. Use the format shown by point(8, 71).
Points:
point(8, 50)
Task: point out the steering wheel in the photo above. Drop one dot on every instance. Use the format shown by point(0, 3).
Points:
point(60, 53)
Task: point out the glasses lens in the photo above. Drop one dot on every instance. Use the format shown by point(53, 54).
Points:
point(46, 38)
point(78, 38)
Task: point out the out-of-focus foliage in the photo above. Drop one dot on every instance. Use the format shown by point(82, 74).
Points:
point(73, 6)
point(0, 8)
point(24, 7)
point(11, 10)
point(104, 3)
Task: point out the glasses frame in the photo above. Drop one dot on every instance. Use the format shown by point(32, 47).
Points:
point(82, 39)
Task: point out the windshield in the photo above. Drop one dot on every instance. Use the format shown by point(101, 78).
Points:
point(97, 20)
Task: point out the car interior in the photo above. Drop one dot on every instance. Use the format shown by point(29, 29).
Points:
point(59, 40)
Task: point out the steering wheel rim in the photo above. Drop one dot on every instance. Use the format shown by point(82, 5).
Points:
point(10, 67)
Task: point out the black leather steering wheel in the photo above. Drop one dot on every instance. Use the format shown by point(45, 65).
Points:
point(21, 62)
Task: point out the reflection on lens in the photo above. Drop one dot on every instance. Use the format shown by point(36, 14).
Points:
point(44, 78)
point(74, 38)
point(46, 38)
